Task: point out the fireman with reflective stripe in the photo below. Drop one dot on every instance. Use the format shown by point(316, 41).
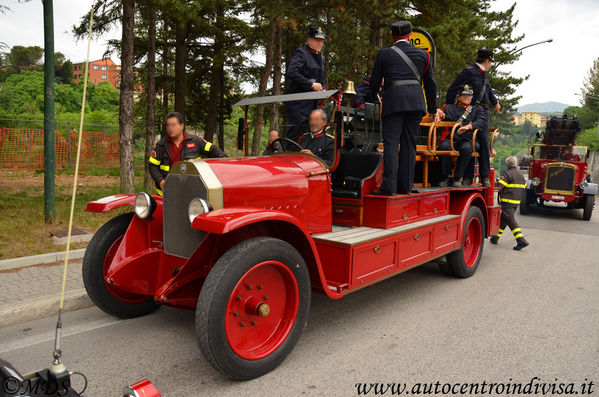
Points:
point(511, 185)
point(177, 146)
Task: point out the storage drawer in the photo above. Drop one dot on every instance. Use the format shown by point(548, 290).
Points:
point(403, 211)
point(415, 247)
point(370, 260)
point(445, 237)
point(435, 205)
point(347, 215)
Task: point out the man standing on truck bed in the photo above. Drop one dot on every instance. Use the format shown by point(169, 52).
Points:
point(511, 185)
point(304, 74)
point(177, 146)
point(405, 69)
point(477, 77)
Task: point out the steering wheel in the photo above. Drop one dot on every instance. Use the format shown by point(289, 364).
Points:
point(286, 141)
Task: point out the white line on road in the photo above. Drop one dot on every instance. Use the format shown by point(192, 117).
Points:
point(49, 336)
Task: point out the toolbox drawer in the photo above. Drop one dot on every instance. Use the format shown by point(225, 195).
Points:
point(347, 215)
point(415, 247)
point(434, 205)
point(370, 260)
point(446, 237)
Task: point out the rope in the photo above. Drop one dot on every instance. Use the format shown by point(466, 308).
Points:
point(57, 352)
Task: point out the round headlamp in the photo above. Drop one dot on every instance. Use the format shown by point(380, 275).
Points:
point(198, 206)
point(144, 205)
point(536, 181)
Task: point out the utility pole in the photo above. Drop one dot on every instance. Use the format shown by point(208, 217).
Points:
point(49, 163)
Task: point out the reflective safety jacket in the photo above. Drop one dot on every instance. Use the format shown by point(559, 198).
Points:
point(193, 147)
point(512, 184)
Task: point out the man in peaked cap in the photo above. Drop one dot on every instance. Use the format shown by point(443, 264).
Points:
point(477, 76)
point(470, 118)
point(305, 73)
point(404, 68)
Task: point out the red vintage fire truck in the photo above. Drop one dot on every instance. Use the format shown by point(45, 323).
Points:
point(244, 242)
point(558, 170)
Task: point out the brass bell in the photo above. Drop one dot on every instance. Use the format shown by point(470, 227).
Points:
point(349, 88)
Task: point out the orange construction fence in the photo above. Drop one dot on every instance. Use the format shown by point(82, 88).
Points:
point(23, 148)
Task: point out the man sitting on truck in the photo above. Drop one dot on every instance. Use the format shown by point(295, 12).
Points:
point(177, 146)
point(470, 118)
point(317, 142)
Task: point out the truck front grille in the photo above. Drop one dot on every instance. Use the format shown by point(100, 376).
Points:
point(559, 178)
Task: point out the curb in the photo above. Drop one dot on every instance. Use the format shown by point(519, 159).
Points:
point(36, 308)
point(15, 263)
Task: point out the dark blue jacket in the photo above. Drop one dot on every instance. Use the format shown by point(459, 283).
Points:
point(477, 117)
point(321, 144)
point(475, 78)
point(389, 66)
point(306, 67)
point(363, 94)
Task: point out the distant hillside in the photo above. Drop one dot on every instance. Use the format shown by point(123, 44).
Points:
point(546, 107)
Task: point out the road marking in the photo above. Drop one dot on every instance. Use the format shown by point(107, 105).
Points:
point(32, 340)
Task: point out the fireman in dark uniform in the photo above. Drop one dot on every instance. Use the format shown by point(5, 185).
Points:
point(471, 118)
point(177, 146)
point(363, 94)
point(305, 73)
point(512, 185)
point(404, 69)
point(317, 142)
point(477, 76)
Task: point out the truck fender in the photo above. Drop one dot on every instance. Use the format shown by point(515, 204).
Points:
point(229, 219)
point(109, 203)
point(464, 202)
point(592, 188)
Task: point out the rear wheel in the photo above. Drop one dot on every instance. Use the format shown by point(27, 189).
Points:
point(589, 203)
point(464, 262)
point(253, 307)
point(97, 259)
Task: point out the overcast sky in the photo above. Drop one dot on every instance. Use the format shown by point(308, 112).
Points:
point(556, 69)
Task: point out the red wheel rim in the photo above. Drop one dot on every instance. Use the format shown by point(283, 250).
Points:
point(262, 310)
point(115, 291)
point(472, 242)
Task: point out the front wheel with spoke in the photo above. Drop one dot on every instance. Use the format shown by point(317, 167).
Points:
point(464, 262)
point(253, 307)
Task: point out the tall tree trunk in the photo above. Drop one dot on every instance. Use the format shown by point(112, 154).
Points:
point(221, 109)
point(215, 76)
point(262, 88)
point(327, 52)
point(150, 91)
point(180, 61)
point(276, 78)
point(165, 81)
point(126, 99)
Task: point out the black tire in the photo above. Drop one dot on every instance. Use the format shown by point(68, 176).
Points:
point(93, 272)
point(524, 205)
point(214, 298)
point(446, 269)
point(456, 259)
point(589, 203)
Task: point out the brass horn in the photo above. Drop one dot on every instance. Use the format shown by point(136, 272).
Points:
point(349, 88)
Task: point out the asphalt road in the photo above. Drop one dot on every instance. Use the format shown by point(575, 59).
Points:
point(523, 315)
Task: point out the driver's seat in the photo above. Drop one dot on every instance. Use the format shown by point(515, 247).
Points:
point(351, 172)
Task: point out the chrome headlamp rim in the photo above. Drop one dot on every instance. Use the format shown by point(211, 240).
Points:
point(536, 181)
point(196, 207)
point(144, 205)
point(584, 184)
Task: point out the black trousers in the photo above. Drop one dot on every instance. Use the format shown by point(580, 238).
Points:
point(507, 219)
point(465, 166)
point(482, 138)
point(400, 128)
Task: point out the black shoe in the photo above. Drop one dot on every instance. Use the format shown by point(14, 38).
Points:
point(382, 193)
point(467, 181)
point(494, 239)
point(521, 244)
point(445, 182)
point(457, 183)
point(486, 182)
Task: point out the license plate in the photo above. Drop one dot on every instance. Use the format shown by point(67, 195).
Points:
point(558, 197)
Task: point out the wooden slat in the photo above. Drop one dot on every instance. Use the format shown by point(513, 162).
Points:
point(363, 234)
